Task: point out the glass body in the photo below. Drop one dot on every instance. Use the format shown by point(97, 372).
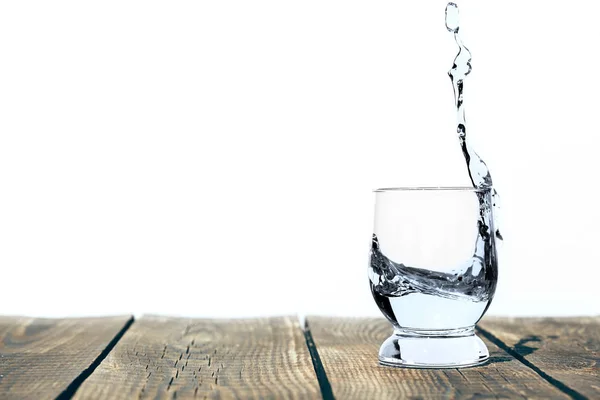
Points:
point(433, 272)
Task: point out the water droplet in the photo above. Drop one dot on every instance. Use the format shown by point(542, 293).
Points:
point(452, 17)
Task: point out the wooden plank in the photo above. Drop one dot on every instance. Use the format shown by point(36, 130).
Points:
point(40, 358)
point(566, 349)
point(348, 349)
point(179, 358)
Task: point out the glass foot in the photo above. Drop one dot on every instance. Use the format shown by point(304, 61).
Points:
point(403, 349)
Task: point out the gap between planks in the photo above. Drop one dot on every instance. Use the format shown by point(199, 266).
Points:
point(324, 384)
point(70, 390)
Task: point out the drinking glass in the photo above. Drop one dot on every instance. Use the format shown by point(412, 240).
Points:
point(433, 273)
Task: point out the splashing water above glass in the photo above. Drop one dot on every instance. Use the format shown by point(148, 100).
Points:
point(478, 171)
point(476, 167)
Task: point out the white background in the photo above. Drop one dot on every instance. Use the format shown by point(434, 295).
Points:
point(217, 158)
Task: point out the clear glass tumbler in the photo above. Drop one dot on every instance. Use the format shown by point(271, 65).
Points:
point(433, 273)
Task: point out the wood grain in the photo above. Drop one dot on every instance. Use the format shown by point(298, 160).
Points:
point(163, 357)
point(40, 358)
point(567, 349)
point(348, 349)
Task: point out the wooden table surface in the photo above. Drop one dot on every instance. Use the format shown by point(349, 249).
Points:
point(273, 358)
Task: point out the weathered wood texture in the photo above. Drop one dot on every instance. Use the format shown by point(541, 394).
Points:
point(185, 358)
point(567, 349)
point(40, 358)
point(348, 349)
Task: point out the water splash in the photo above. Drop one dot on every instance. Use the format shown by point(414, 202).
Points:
point(478, 170)
point(469, 281)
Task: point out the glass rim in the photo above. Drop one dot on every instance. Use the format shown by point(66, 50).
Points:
point(433, 189)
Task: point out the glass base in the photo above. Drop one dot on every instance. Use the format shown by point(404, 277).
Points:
point(433, 349)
